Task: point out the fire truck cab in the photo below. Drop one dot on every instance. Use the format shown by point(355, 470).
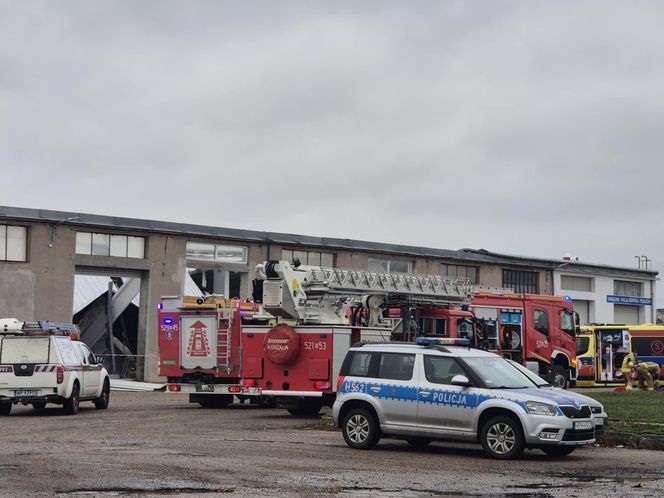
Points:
point(538, 331)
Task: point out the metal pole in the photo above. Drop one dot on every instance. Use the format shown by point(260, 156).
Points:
point(109, 323)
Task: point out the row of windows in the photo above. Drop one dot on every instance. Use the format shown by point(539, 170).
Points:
point(217, 252)
point(469, 272)
point(576, 283)
point(625, 288)
point(13, 243)
point(521, 281)
point(388, 265)
point(104, 244)
point(310, 258)
point(399, 366)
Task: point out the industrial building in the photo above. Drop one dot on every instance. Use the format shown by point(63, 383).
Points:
point(55, 265)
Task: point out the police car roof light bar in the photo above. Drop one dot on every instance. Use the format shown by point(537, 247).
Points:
point(442, 341)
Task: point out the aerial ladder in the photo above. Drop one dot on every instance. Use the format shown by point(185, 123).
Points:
point(319, 295)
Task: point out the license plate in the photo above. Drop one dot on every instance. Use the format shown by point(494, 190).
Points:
point(581, 426)
point(204, 389)
point(25, 392)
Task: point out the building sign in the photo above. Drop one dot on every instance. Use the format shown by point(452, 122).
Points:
point(637, 301)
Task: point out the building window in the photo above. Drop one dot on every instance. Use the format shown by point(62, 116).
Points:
point(624, 288)
point(105, 244)
point(569, 282)
point(389, 266)
point(310, 258)
point(216, 281)
point(217, 252)
point(13, 243)
point(469, 272)
point(521, 281)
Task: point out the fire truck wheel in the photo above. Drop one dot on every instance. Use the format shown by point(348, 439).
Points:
point(558, 377)
point(502, 438)
point(39, 405)
point(101, 403)
point(306, 409)
point(71, 403)
point(5, 408)
point(558, 451)
point(360, 429)
point(418, 442)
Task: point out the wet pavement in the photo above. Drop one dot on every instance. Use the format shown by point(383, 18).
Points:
point(157, 444)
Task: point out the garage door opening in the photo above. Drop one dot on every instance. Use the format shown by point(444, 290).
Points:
point(109, 301)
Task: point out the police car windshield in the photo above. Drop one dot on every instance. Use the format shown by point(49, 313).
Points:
point(496, 373)
point(536, 379)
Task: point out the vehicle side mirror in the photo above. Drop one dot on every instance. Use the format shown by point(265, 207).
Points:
point(99, 360)
point(460, 380)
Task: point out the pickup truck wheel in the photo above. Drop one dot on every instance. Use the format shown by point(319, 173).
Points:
point(360, 429)
point(71, 403)
point(101, 403)
point(39, 405)
point(558, 451)
point(502, 438)
point(5, 408)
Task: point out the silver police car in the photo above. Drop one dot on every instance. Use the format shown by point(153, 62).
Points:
point(434, 391)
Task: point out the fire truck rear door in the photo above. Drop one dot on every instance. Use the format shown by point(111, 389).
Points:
point(198, 346)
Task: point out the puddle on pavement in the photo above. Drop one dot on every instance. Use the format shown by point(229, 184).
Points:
point(175, 488)
point(416, 493)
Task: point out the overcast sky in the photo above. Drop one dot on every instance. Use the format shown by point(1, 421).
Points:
point(530, 127)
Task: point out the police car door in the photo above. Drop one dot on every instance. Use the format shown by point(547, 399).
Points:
point(395, 389)
point(442, 406)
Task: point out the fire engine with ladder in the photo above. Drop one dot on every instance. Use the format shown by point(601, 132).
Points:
point(321, 312)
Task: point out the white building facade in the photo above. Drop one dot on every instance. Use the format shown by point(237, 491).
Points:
point(608, 294)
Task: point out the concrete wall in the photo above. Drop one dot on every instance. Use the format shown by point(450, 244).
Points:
point(41, 288)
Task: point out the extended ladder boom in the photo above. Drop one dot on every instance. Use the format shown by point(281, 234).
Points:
point(318, 295)
point(335, 280)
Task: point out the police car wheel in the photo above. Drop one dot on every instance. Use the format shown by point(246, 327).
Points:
point(360, 429)
point(502, 438)
point(558, 451)
point(418, 442)
point(5, 408)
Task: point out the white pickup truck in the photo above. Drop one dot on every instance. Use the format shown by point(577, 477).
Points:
point(41, 363)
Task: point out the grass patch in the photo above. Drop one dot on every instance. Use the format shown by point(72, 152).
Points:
point(637, 412)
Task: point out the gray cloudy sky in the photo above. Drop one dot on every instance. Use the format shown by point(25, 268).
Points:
point(528, 127)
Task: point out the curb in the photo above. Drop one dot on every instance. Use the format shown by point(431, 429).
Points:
point(629, 439)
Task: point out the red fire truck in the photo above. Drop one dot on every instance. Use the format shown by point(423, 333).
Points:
point(535, 330)
point(322, 311)
point(199, 346)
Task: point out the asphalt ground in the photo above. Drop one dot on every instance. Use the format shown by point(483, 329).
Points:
point(157, 444)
